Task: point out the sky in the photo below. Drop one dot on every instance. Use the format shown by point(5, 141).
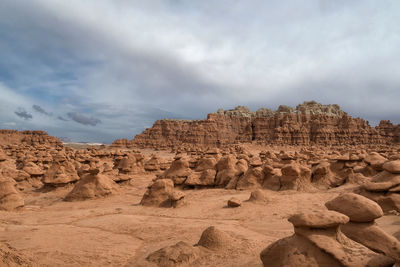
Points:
point(97, 70)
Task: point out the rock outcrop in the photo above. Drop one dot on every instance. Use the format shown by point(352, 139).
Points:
point(31, 138)
point(309, 123)
point(318, 241)
point(10, 199)
point(162, 194)
point(92, 185)
point(384, 187)
point(362, 227)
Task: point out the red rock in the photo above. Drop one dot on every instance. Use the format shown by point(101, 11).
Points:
point(392, 166)
point(309, 123)
point(234, 202)
point(295, 176)
point(10, 199)
point(161, 194)
point(92, 185)
point(356, 207)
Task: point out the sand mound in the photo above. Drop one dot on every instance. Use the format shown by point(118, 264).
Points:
point(215, 239)
point(258, 196)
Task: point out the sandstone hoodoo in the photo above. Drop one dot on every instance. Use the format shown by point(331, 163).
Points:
point(318, 241)
point(308, 123)
point(10, 199)
point(92, 185)
point(362, 227)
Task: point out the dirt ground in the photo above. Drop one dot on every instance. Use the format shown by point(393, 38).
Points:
point(117, 231)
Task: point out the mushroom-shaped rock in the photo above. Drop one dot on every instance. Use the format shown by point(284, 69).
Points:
point(258, 196)
point(92, 185)
point(392, 166)
point(356, 207)
point(10, 199)
point(318, 241)
point(176, 255)
point(161, 194)
point(215, 239)
point(318, 219)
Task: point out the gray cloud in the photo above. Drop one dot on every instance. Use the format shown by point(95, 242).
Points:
point(142, 60)
point(22, 113)
point(61, 118)
point(41, 110)
point(83, 119)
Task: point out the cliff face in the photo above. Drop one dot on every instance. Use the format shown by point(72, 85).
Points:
point(308, 123)
point(31, 138)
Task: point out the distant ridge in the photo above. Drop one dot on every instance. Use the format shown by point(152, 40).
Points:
point(307, 124)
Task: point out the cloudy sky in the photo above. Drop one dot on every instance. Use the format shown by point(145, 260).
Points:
point(97, 70)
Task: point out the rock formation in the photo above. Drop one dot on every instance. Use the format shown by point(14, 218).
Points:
point(31, 138)
point(309, 123)
point(318, 241)
point(162, 194)
point(362, 228)
point(384, 187)
point(10, 199)
point(92, 185)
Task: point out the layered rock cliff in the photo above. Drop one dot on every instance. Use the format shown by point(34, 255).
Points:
point(308, 123)
point(31, 138)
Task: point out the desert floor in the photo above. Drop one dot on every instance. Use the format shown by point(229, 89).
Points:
point(117, 231)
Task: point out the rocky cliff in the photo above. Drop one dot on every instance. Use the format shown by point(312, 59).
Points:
point(31, 138)
point(308, 123)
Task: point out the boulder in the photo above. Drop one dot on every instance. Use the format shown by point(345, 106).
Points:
point(356, 207)
point(392, 166)
point(234, 202)
point(161, 194)
point(92, 185)
point(375, 160)
point(318, 219)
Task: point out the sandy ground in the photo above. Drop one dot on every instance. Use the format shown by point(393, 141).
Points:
point(117, 231)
